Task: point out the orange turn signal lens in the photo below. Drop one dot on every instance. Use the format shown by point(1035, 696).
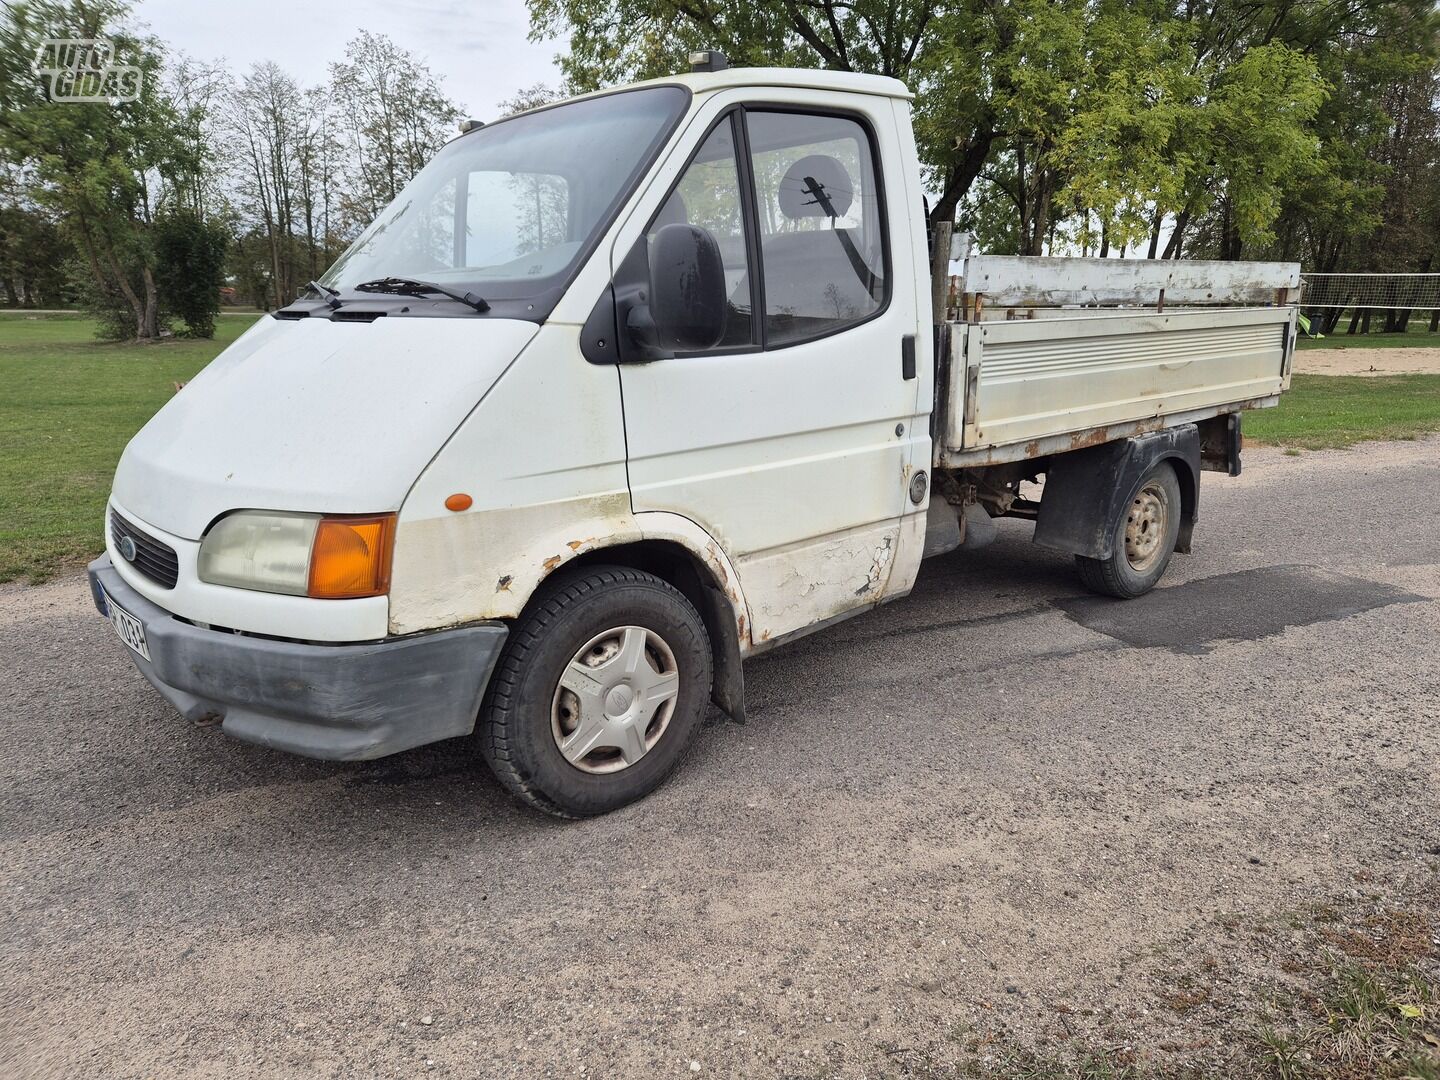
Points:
point(459, 501)
point(351, 557)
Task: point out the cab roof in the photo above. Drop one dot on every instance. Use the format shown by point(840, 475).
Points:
point(804, 78)
point(707, 82)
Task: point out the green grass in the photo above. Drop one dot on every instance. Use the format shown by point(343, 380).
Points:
point(1416, 336)
point(1322, 411)
point(69, 405)
point(1408, 340)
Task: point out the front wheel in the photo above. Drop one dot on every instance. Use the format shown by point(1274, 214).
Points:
point(1143, 540)
point(600, 691)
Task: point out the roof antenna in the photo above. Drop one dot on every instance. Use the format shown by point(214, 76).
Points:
point(708, 60)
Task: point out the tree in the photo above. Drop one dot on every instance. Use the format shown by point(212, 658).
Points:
point(1043, 121)
point(190, 258)
point(248, 265)
point(102, 168)
point(1355, 48)
point(396, 116)
point(266, 112)
point(613, 41)
point(532, 97)
point(312, 166)
point(196, 90)
point(33, 250)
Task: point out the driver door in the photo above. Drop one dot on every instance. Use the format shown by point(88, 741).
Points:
point(792, 439)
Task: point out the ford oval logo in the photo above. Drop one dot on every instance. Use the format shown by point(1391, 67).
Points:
point(126, 547)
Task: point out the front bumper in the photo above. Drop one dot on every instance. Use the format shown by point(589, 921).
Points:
point(341, 702)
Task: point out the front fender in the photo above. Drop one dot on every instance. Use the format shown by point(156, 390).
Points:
point(466, 568)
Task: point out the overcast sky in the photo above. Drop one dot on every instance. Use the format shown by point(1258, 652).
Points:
point(478, 48)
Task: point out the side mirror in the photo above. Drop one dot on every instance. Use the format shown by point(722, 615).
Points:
point(688, 301)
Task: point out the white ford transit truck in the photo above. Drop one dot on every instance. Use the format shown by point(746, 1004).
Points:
point(623, 390)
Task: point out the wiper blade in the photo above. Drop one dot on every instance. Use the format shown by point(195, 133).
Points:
point(324, 292)
point(414, 287)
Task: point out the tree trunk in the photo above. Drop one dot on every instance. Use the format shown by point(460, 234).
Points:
point(1155, 234)
point(1040, 219)
point(962, 175)
point(1177, 238)
point(152, 304)
point(142, 327)
point(1230, 243)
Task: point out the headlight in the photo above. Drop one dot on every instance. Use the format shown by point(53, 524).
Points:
point(299, 554)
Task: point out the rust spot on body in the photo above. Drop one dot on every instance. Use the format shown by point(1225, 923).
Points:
point(503, 585)
point(552, 562)
point(1082, 439)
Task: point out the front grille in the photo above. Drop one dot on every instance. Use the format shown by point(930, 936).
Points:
point(157, 561)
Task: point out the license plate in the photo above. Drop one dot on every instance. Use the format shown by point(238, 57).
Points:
point(128, 628)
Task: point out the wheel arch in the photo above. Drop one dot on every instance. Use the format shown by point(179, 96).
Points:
point(1084, 489)
point(705, 578)
point(1188, 474)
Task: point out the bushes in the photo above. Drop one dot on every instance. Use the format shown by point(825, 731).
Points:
point(189, 270)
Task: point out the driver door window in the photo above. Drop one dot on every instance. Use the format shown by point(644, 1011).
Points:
point(822, 248)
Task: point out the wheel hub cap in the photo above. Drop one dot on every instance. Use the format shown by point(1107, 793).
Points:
point(614, 699)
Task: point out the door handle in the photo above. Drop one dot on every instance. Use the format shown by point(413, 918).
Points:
point(907, 356)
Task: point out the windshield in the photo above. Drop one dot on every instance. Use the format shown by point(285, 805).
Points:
point(509, 211)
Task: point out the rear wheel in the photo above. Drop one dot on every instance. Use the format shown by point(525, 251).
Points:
point(1143, 539)
point(600, 692)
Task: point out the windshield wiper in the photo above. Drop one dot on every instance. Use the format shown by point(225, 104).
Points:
point(402, 286)
point(324, 292)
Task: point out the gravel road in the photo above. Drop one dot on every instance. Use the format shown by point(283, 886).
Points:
point(1000, 806)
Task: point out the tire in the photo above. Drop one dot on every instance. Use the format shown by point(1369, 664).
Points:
point(1143, 538)
point(588, 661)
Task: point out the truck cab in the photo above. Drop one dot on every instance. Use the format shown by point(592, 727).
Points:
point(617, 393)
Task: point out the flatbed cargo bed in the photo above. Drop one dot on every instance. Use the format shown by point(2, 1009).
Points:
point(1020, 380)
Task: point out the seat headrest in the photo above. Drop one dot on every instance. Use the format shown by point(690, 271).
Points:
point(799, 196)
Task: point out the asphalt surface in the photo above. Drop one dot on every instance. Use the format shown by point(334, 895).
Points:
point(975, 809)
